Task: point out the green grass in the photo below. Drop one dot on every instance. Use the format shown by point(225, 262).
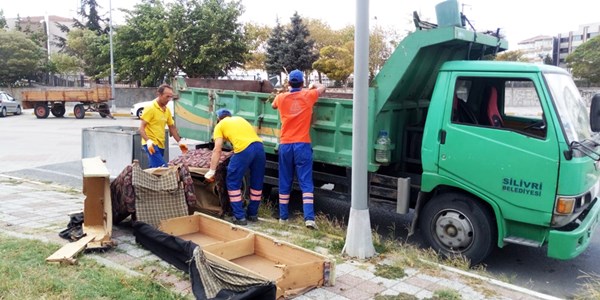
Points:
point(27, 275)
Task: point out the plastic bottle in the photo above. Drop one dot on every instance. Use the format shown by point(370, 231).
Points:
point(383, 152)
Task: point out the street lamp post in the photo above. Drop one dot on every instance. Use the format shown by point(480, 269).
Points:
point(113, 107)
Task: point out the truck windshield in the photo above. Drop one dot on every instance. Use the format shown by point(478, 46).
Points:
point(573, 113)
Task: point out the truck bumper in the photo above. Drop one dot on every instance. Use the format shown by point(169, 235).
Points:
point(569, 244)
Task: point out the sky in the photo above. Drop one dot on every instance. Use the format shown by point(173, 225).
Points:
point(518, 19)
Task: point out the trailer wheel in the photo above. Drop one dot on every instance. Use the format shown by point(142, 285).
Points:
point(41, 110)
point(79, 111)
point(103, 110)
point(58, 110)
point(455, 224)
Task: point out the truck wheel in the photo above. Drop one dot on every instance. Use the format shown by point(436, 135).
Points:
point(79, 111)
point(58, 110)
point(456, 224)
point(41, 110)
point(3, 112)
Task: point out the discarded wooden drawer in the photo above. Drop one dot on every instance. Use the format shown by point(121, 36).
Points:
point(292, 268)
point(97, 212)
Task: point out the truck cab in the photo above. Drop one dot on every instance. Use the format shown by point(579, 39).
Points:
point(508, 154)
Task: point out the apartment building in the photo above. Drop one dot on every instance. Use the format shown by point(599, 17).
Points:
point(536, 49)
point(38, 24)
point(567, 42)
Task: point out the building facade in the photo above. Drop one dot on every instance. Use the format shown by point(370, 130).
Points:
point(37, 24)
point(567, 42)
point(537, 49)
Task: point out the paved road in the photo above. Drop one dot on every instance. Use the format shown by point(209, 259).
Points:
point(49, 150)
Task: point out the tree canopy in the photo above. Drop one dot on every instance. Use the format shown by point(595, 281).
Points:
point(276, 48)
point(20, 57)
point(300, 53)
point(585, 60)
point(336, 62)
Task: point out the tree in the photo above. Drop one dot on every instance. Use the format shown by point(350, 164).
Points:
point(92, 50)
point(143, 46)
point(65, 64)
point(20, 57)
point(276, 49)
point(382, 43)
point(585, 60)
point(91, 18)
point(3, 24)
point(256, 38)
point(336, 62)
point(516, 55)
point(300, 53)
point(211, 41)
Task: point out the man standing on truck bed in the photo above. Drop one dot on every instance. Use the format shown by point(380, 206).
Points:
point(152, 129)
point(295, 152)
point(248, 153)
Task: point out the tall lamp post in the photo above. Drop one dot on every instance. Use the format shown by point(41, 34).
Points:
point(113, 107)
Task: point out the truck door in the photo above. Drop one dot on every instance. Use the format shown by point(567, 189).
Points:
point(498, 142)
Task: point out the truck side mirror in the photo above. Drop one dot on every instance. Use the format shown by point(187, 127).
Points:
point(595, 113)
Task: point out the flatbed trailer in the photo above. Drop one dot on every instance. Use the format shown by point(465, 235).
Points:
point(46, 101)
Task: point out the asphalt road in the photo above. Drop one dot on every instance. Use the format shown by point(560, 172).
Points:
point(49, 150)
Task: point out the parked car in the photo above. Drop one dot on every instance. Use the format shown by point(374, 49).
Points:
point(8, 104)
point(138, 108)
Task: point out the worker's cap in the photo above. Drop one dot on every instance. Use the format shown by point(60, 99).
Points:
point(296, 76)
point(223, 112)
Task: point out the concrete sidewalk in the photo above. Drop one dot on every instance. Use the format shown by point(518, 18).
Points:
point(39, 211)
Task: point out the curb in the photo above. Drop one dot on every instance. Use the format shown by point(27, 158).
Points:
point(498, 283)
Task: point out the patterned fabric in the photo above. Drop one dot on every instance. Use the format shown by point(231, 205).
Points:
point(216, 277)
point(200, 158)
point(158, 197)
point(123, 194)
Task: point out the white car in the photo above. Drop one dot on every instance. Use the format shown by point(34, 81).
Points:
point(8, 104)
point(138, 108)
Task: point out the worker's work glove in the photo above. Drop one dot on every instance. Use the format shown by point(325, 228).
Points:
point(150, 145)
point(183, 147)
point(209, 176)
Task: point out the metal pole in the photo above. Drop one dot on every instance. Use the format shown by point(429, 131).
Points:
point(113, 107)
point(359, 242)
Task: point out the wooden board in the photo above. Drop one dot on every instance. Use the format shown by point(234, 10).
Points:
point(68, 251)
point(94, 94)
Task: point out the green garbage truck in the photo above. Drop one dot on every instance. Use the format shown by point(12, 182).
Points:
point(482, 153)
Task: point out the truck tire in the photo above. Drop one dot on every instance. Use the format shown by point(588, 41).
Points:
point(79, 111)
point(41, 110)
point(455, 224)
point(58, 110)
